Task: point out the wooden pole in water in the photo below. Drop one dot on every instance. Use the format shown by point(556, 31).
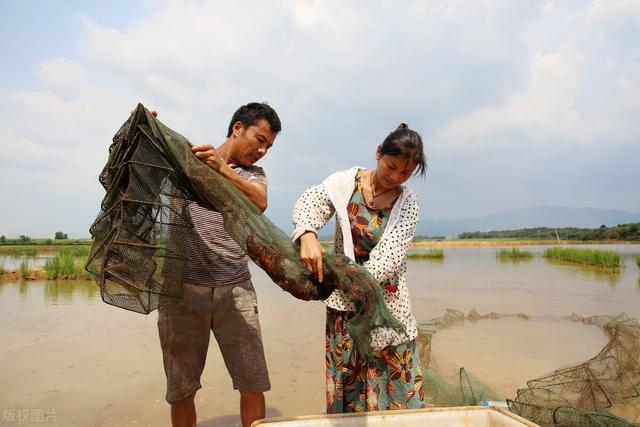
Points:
point(553, 221)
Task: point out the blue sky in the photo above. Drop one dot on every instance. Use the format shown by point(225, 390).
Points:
point(519, 103)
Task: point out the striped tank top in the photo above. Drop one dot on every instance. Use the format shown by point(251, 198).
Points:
point(214, 258)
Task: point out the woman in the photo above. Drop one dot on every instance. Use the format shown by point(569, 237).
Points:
point(376, 217)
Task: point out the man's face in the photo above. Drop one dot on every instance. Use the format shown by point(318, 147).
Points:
point(252, 143)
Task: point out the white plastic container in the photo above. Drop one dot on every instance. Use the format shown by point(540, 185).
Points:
point(464, 416)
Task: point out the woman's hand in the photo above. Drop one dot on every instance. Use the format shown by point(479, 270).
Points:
point(209, 156)
point(311, 252)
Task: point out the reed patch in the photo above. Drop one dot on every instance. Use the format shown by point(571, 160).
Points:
point(23, 270)
point(437, 254)
point(64, 265)
point(513, 253)
point(594, 257)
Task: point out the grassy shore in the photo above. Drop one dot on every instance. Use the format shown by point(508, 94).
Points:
point(428, 243)
point(595, 257)
point(33, 250)
point(67, 262)
point(66, 265)
point(23, 271)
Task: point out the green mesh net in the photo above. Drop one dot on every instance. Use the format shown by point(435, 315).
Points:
point(445, 383)
point(138, 254)
point(602, 391)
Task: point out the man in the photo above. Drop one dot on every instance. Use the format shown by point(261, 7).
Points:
point(218, 293)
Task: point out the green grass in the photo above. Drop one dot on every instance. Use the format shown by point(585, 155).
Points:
point(513, 253)
point(430, 254)
point(595, 257)
point(85, 274)
point(33, 250)
point(18, 251)
point(23, 271)
point(65, 264)
point(1, 268)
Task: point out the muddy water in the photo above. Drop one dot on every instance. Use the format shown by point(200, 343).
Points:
point(65, 353)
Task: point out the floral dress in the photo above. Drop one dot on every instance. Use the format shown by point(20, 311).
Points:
point(390, 380)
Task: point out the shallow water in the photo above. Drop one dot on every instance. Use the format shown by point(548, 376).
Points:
point(11, 262)
point(66, 353)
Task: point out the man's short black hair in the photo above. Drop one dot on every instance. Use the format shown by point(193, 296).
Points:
point(251, 113)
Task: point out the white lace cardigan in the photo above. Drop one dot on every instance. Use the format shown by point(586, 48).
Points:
point(387, 260)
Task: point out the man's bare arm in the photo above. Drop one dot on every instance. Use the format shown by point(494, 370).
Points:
point(254, 191)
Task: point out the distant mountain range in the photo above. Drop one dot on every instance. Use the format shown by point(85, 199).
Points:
point(540, 216)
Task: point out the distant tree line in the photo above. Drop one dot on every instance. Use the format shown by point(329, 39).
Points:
point(628, 232)
point(59, 238)
point(425, 237)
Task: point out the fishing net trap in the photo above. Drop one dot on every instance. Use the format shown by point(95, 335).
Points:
point(602, 391)
point(138, 254)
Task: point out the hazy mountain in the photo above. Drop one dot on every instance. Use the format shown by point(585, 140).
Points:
point(528, 218)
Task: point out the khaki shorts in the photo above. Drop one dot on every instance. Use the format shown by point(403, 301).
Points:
point(185, 325)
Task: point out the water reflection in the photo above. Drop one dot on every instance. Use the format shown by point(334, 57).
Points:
point(11, 262)
point(513, 260)
point(23, 287)
point(610, 276)
point(429, 260)
point(54, 291)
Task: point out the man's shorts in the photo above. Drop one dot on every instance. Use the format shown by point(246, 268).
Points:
point(185, 325)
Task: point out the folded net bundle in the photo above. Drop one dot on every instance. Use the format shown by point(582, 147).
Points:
point(138, 254)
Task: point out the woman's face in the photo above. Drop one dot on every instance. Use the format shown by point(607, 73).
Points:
point(393, 171)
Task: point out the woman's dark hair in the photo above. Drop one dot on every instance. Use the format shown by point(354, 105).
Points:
point(251, 113)
point(406, 143)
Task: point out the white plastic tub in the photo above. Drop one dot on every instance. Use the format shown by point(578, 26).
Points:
point(465, 416)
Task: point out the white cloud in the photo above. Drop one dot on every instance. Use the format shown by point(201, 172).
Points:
point(545, 111)
point(485, 83)
point(614, 12)
point(61, 73)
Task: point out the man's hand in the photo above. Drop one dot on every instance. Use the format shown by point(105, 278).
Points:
point(209, 156)
point(254, 191)
point(311, 252)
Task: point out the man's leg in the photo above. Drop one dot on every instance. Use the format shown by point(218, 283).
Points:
point(251, 407)
point(237, 330)
point(183, 413)
point(184, 326)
